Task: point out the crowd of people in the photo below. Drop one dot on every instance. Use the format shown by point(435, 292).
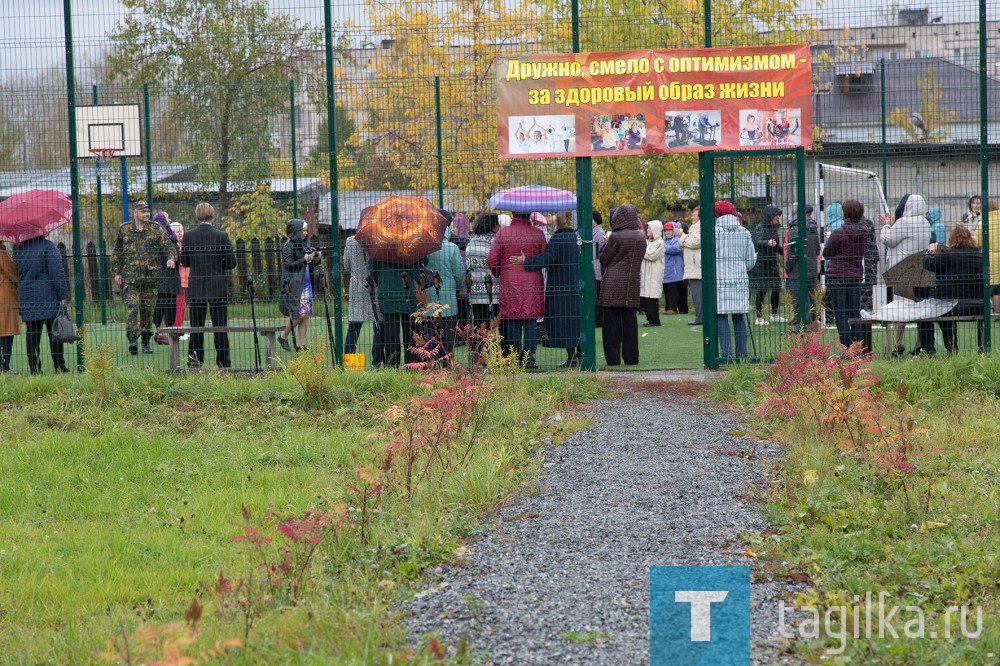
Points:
point(524, 270)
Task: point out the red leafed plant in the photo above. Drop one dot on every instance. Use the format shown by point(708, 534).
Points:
point(286, 564)
point(841, 395)
point(435, 430)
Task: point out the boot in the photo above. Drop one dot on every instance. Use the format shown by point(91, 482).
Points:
point(133, 344)
point(146, 349)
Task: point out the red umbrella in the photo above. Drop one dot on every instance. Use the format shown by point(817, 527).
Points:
point(33, 213)
point(401, 230)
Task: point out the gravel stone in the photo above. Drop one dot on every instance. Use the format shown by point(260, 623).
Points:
point(657, 480)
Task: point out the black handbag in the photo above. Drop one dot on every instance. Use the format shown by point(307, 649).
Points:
point(62, 327)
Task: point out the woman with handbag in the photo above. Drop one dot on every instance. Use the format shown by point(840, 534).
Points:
point(42, 293)
point(10, 322)
point(299, 264)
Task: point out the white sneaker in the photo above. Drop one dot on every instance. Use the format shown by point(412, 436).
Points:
point(762, 322)
point(778, 319)
point(184, 337)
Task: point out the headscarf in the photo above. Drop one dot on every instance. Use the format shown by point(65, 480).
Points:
point(161, 219)
point(461, 225)
point(900, 207)
point(538, 220)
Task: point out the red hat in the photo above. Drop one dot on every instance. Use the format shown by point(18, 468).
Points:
point(724, 208)
point(669, 226)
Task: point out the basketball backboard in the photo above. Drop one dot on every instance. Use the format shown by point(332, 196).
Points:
point(108, 126)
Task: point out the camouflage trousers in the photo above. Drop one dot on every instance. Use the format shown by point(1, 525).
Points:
point(139, 302)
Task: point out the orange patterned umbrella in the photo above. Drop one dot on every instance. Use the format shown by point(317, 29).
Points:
point(401, 230)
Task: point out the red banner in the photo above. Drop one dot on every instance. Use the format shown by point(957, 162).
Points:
point(654, 102)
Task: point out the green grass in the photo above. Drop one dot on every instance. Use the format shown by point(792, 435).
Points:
point(118, 505)
point(837, 520)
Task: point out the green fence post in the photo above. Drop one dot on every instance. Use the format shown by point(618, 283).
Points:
point(148, 145)
point(100, 234)
point(984, 171)
point(585, 227)
point(706, 213)
point(295, 170)
point(802, 245)
point(885, 147)
point(74, 175)
point(331, 132)
point(440, 151)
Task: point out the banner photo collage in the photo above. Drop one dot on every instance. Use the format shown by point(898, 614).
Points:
point(654, 101)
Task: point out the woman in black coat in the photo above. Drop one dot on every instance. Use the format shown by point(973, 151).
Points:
point(958, 271)
point(562, 288)
point(299, 265)
point(42, 291)
point(765, 276)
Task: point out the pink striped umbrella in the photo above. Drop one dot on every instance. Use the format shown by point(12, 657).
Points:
point(33, 213)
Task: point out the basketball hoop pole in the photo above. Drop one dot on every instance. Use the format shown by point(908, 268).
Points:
point(101, 154)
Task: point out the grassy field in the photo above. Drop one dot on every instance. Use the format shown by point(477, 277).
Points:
point(907, 504)
point(268, 500)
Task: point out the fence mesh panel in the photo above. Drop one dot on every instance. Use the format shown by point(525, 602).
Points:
point(235, 110)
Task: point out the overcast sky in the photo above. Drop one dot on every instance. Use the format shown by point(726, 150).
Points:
point(31, 31)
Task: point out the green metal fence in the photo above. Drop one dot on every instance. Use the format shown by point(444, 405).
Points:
point(298, 108)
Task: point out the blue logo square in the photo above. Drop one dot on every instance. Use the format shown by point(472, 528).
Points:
point(699, 616)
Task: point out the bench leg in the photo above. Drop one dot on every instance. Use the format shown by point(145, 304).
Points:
point(272, 361)
point(174, 350)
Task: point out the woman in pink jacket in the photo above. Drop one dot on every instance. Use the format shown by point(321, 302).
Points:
point(522, 292)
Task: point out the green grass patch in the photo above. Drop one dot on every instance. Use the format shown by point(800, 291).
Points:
point(586, 637)
point(121, 505)
point(922, 529)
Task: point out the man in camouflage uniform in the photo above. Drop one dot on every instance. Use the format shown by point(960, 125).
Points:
point(139, 251)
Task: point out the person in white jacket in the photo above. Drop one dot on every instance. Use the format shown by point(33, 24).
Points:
point(651, 285)
point(691, 242)
point(905, 232)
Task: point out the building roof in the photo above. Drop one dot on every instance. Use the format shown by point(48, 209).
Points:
point(959, 86)
point(168, 178)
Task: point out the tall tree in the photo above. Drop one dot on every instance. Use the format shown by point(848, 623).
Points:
point(225, 65)
point(393, 92)
point(928, 124)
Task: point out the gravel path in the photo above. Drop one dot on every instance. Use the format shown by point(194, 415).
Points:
point(657, 480)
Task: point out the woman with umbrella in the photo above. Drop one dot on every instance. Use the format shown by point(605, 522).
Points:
point(42, 291)
point(522, 299)
point(561, 258)
point(299, 262)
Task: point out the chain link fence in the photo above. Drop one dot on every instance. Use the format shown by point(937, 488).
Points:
point(281, 110)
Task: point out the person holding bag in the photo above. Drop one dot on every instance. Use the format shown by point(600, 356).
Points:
point(42, 291)
point(299, 264)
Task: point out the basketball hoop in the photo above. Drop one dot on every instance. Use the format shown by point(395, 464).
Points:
point(102, 159)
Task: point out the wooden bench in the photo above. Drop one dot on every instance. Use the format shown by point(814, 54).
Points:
point(890, 340)
point(174, 334)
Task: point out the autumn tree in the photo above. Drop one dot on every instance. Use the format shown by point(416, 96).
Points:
point(393, 92)
point(928, 124)
point(225, 65)
point(254, 215)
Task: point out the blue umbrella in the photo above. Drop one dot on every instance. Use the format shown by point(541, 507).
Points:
point(533, 199)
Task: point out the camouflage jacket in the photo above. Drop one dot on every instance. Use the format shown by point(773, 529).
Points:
point(139, 254)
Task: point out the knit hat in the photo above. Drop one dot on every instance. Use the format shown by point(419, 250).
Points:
point(770, 212)
point(724, 208)
point(669, 226)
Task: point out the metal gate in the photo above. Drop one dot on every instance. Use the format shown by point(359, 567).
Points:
point(749, 312)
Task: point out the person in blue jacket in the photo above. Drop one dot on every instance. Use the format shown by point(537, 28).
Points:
point(41, 291)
